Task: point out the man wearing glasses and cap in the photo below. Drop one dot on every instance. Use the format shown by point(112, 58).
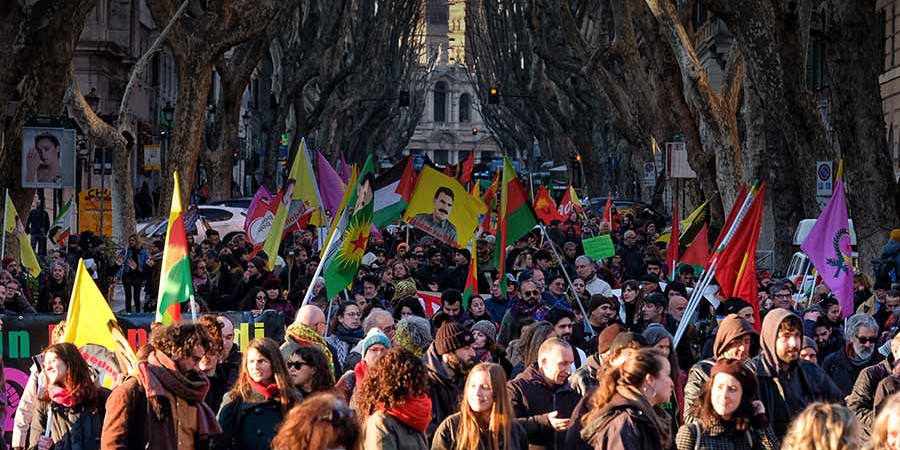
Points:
point(523, 312)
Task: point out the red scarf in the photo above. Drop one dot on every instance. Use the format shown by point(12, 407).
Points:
point(267, 391)
point(414, 412)
point(61, 396)
point(360, 371)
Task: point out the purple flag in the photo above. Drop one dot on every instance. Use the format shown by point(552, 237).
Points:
point(828, 247)
point(331, 189)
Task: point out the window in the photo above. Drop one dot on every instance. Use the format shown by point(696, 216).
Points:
point(215, 214)
point(438, 12)
point(440, 102)
point(465, 105)
point(816, 78)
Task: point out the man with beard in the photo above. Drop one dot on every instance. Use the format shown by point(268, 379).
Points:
point(844, 366)
point(437, 222)
point(786, 383)
point(448, 360)
point(862, 400)
point(542, 399)
point(524, 311)
point(563, 321)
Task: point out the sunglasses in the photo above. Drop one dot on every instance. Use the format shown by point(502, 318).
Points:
point(868, 340)
point(297, 365)
point(533, 293)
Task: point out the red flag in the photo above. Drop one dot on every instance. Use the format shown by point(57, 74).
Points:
point(738, 202)
point(672, 249)
point(545, 207)
point(490, 199)
point(468, 167)
point(431, 301)
point(607, 211)
point(408, 181)
point(698, 252)
point(570, 203)
point(736, 267)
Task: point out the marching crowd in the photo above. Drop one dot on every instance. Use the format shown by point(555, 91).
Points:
point(528, 363)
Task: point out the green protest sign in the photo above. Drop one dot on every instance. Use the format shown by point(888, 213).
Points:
point(599, 247)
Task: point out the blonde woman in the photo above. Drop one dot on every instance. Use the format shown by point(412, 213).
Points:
point(886, 429)
point(485, 420)
point(823, 426)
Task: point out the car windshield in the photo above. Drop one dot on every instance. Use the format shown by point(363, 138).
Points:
point(151, 226)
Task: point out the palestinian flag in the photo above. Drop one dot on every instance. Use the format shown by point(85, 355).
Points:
point(697, 254)
point(515, 218)
point(175, 285)
point(343, 256)
point(472, 277)
point(393, 190)
point(61, 228)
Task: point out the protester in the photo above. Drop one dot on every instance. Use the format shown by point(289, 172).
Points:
point(309, 371)
point(886, 427)
point(860, 352)
point(321, 422)
point(726, 416)
point(659, 338)
point(862, 399)
point(786, 383)
point(448, 361)
point(735, 339)
point(307, 330)
point(524, 311)
point(624, 408)
point(541, 396)
point(374, 346)
point(809, 351)
point(414, 334)
point(161, 406)
point(346, 331)
point(394, 401)
point(133, 266)
point(219, 384)
point(486, 420)
point(823, 426)
point(33, 387)
point(72, 408)
point(259, 401)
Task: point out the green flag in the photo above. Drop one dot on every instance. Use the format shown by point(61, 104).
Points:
point(343, 256)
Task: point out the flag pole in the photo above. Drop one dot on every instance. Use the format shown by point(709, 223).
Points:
point(706, 279)
point(587, 326)
point(308, 295)
point(5, 210)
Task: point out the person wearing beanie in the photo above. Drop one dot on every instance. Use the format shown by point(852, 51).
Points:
point(403, 289)
point(737, 305)
point(486, 347)
point(448, 360)
point(810, 350)
point(660, 339)
point(374, 346)
point(788, 384)
point(727, 416)
point(414, 334)
point(275, 299)
point(735, 339)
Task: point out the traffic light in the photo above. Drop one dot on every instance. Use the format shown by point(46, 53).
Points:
point(404, 99)
point(494, 96)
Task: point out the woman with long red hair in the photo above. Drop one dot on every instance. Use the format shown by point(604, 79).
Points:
point(72, 406)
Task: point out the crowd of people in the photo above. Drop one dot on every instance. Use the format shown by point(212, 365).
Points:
point(560, 352)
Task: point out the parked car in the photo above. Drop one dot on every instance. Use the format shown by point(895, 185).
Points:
point(242, 202)
point(226, 220)
point(624, 206)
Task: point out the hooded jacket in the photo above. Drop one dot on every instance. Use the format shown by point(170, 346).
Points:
point(731, 328)
point(786, 391)
point(862, 400)
point(446, 390)
point(533, 397)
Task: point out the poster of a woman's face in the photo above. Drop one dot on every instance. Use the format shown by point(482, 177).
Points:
point(48, 157)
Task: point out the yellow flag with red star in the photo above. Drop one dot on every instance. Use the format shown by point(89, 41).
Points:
point(347, 247)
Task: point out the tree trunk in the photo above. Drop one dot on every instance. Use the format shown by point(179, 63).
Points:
point(194, 81)
point(220, 164)
point(854, 62)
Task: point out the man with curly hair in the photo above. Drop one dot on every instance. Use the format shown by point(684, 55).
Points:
point(162, 405)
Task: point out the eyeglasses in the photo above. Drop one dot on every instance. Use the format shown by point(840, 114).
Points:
point(297, 365)
point(782, 295)
point(533, 293)
point(867, 340)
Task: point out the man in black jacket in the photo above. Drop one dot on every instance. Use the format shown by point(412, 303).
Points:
point(862, 400)
point(788, 384)
point(448, 361)
point(844, 366)
point(541, 396)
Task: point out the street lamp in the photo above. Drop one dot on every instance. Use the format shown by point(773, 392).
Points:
point(93, 100)
point(168, 116)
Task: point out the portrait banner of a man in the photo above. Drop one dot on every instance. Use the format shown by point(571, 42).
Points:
point(48, 157)
point(443, 208)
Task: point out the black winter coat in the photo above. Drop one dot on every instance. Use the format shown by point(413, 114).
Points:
point(843, 372)
point(248, 424)
point(862, 400)
point(622, 425)
point(533, 398)
point(445, 393)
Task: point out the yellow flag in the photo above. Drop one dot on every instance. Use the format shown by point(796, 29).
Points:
point(14, 226)
point(306, 197)
point(92, 327)
point(276, 232)
point(354, 174)
point(443, 208)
